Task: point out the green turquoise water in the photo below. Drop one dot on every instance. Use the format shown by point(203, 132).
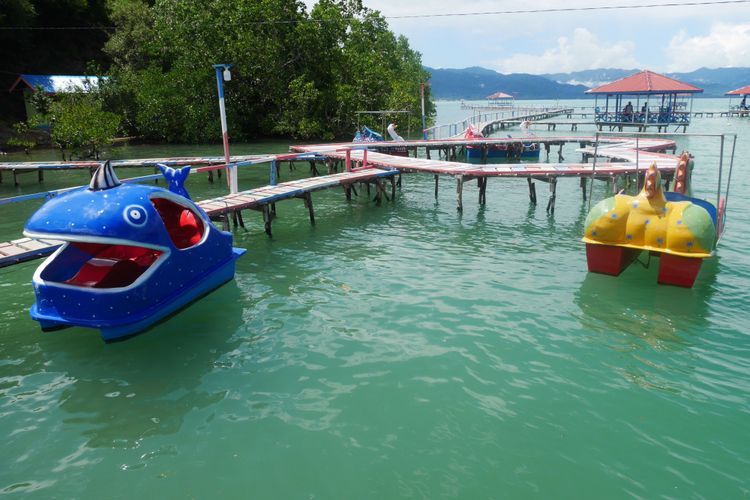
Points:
point(405, 350)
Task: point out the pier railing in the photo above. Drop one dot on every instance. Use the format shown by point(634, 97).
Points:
point(455, 129)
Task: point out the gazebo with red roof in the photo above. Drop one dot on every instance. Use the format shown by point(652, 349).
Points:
point(660, 101)
point(743, 107)
point(500, 99)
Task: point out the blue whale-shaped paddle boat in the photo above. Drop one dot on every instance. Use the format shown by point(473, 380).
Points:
point(132, 254)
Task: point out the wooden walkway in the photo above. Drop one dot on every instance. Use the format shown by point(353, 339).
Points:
point(229, 207)
point(489, 122)
point(624, 157)
point(17, 168)
point(24, 249)
point(627, 157)
point(451, 148)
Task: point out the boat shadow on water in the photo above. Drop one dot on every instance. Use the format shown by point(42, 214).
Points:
point(664, 317)
point(127, 391)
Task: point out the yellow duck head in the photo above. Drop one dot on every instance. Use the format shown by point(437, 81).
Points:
point(648, 221)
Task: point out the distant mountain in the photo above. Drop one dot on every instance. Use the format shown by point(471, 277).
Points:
point(478, 83)
point(591, 77)
point(714, 82)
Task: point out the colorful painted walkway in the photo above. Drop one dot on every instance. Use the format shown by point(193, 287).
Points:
point(625, 156)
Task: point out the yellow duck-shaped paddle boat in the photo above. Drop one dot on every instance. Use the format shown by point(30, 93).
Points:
point(679, 229)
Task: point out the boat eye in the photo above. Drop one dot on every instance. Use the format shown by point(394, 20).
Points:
point(135, 215)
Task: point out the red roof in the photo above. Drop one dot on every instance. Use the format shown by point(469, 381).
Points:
point(645, 82)
point(742, 91)
point(499, 95)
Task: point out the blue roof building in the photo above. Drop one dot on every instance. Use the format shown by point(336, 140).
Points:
point(53, 84)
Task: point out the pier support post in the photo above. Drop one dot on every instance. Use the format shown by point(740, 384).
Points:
point(309, 204)
point(482, 183)
point(314, 169)
point(437, 177)
point(546, 149)
point(583, 187)
point(553, 195)
point(532, 191)
point(267, 221)
point(559, 155)
point(348, 192)
point(40, 174)
point(393, 187)
point(460, 192)
point(380, 186)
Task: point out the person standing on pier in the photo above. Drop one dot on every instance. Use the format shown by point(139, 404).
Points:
point(627, 111)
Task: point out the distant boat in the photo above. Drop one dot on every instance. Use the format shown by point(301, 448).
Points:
point(512, 150)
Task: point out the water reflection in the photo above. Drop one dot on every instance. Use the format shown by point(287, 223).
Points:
point(635, 304)
point(127, 391)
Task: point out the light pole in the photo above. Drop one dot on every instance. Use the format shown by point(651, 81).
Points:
point(222, 75)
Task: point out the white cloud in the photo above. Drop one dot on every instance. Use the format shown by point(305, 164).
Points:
point(583, 51)
point(726, 45)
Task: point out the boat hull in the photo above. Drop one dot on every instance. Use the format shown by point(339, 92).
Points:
point(135, 322)
point(674, 270)
point(494, 152)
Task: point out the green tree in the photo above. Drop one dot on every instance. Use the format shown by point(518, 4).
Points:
point(295, 74)
point(79, 124)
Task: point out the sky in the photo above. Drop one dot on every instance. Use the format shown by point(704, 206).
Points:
point(662, 39)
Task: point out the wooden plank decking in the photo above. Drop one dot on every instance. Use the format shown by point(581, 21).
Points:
point(17, 168)
point(624, 156)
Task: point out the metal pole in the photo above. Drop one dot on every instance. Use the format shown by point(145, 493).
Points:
point(424, 123)
point(721, 166)
point(231, 170)
point(729, 182)
point(637, 162)
point(593, 171)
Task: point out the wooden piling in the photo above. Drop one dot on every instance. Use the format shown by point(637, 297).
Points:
point(482, 183)
point(553, 195)
point(309, 204)
point(532, 191)
point(267, 220)
point(460, 192)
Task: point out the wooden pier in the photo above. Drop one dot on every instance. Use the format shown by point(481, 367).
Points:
point(489, 122)
point(40, 167)
point(364, 164)
point(228, 209)
point(627, 157)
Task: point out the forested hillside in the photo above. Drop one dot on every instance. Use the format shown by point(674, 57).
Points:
point(296, 73)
